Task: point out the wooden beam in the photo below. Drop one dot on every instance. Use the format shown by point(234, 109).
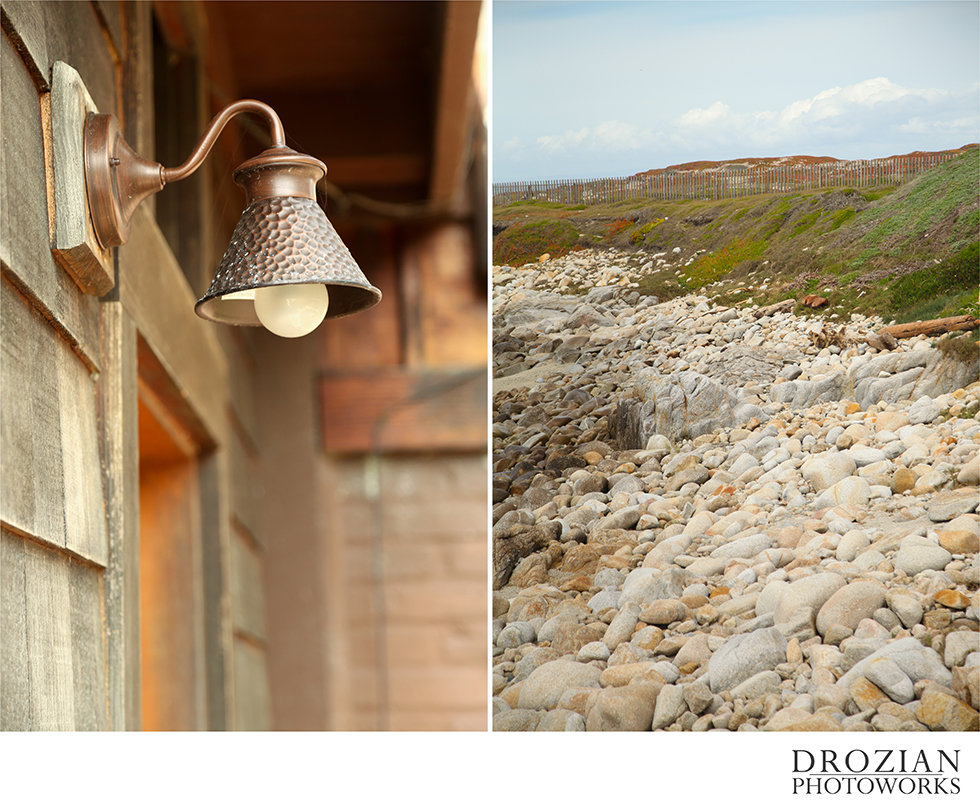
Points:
point(118, 434)
point(377, 170)
point(396, 410)
point(455, 100)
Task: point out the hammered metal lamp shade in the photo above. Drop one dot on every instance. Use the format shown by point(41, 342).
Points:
point(283, 237)
point(286, 268)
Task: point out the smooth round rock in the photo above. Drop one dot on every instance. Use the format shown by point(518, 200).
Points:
point(850, 604)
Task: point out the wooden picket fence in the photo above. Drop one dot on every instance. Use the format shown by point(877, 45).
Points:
point(724, 183)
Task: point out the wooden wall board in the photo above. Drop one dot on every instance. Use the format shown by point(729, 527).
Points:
point(49, 662)
point(246, 586)
point(243, 470)
point(110, 12)
point(24, 232)
point(452, 314)
point(15, 680)
point(215, 566)
point(53, 654)
point(53, 676)
point(51, 484)
point(156, 296)
point(87, 647)
point(374, 337)
point(24, 23)
point(49, 31)
point(85, 529)
point(238, 350)
point(119, 435)
point(252, 703)
point(429, 411)
point(136, 114)
point(293, 518)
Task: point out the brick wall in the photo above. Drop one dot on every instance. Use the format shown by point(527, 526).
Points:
point(427, 592)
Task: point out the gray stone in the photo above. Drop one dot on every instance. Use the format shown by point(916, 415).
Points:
point(516, 720)
point(959, 644)
point(917, 662)
point(850, 491)
point(800, 624)
point(811, 591)
point(908, 609)
point(770, 596)
point(593, 651)
point(532, 660)
point(801, 394)
point(644, 585)
point(603, 600)
point(620, 519)
point(544, 686)
point(621, 628)
point(561, 720)
point(759, 685)
point(670, 706)
point(697, 695)
point(862, 455)
point(910, 375)
point(515, 634)
point(744, 547)
point(918, 554)
point(888, 676)
point(695, 651)
point(850, 604)
point(743, 656)
point(547, 630)
point(623, 708)
point(948, 505)
point(683, 405)
point(825, 470)
point(851, 544)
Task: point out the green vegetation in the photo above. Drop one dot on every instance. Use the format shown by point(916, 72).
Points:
point(904, 253)
point(524, 243)
point(937, 291)
point(712, 267)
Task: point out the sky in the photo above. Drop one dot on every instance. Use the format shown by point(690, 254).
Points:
point(607, 89)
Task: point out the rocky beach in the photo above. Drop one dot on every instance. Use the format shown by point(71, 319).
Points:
point(714, 518)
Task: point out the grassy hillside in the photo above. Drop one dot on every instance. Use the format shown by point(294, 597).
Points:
point(905, 253)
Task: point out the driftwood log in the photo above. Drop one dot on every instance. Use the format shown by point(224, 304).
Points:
point(772, 309)
point(937, 327)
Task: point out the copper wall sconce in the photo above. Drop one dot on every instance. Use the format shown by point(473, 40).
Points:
point(285, 264)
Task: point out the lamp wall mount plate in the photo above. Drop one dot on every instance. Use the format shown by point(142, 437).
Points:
point(285, 268)
point(74, 242)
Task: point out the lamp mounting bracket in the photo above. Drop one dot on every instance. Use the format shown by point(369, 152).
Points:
point(117, 179)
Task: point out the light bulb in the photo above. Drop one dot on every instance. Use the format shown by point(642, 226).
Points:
point(291, 310)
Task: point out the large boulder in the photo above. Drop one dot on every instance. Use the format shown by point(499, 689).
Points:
point(678, 406)
point(908, 375)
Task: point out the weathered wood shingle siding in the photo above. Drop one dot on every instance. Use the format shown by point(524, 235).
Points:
point(54, 540)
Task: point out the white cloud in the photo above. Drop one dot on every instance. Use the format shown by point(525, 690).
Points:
point(554, 143)
point(697, 117)
point(872, 109)
point(867, 119)
point(608, 136)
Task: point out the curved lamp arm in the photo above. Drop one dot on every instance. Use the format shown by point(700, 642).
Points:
point(117, 179)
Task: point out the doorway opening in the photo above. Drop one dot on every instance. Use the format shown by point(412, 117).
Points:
point(180, 568)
